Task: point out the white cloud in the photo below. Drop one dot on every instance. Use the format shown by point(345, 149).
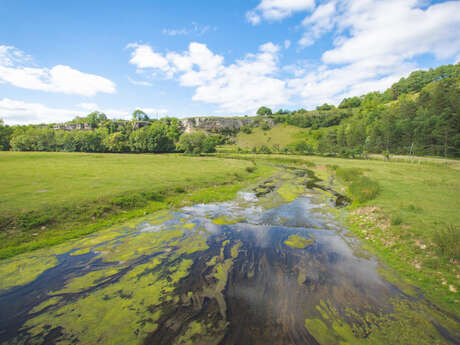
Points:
point(274, 10)
point(60, 78)
point(406, 33)
point(287, 44)
point(195, 28)
point(175, 32)
point(19, 112)
point(322, 20)
point(153, 112)
point(143, 56)
point(139, 82)
point(238, 87)
point(88, 106)
point(371, 50)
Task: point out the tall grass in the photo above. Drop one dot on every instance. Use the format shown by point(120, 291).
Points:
point(448, 241)
point(363, 189)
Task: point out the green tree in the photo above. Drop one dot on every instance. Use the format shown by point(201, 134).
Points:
point(196, 143)
point(262, 111)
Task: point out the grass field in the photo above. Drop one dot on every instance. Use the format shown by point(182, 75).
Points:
point(44, 197)
point(413, 223)
point(280, 134)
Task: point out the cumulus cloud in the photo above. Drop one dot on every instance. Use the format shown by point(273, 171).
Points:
point(19, 112)
point(238, 87)
point(370, 51)
point(407, 32)
point(322, 20)
point(60, 78)
point(275, 10)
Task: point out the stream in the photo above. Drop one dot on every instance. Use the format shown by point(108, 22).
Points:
point(273, 266)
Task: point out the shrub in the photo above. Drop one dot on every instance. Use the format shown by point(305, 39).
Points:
point(264, 149)
point(396, 219)
point(180, 190)
point(363, 189)
point(246, 129)
point(448, 241)
point(197, 142)
point(348, 174)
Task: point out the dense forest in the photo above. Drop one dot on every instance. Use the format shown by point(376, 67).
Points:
point(417, 115)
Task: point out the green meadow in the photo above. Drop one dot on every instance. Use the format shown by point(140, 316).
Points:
point(46, 198)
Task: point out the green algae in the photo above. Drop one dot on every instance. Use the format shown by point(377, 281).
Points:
point(297, 241)
point(191, 244)
point(409, 323)
point(49, 302)
point(289, 191)
point(24, 269)
point(89, 280)
point(144, 243)
point(194, 329)
point(319, 330)
point(235, 249)
point(131, 306)
point(81, 251)
point(188, 226)
point(226, 220)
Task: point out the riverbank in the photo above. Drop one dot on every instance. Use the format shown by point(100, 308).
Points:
point(412, 224)
point(49, 198)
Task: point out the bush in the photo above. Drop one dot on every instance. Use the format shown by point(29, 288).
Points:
point(348, 174)
point(179, 190)
point(396, 219)
point(363, 189)
point(448, 241)
point(246, 129)
point(197, 142)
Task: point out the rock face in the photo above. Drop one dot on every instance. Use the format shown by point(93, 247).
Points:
point(219, 124)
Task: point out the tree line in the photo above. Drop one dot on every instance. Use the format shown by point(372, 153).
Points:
point(116, 136)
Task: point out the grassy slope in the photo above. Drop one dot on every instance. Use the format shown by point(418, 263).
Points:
point(424, 198)
point(46, 198)
point(280, 134)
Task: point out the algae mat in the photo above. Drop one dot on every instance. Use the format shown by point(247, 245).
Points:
point(273, 269)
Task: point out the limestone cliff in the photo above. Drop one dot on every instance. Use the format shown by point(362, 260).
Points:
point(219, 124)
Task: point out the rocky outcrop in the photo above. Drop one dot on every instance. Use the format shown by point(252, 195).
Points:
point(220, 124)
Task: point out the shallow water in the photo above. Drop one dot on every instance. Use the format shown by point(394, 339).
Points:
point(222, 273)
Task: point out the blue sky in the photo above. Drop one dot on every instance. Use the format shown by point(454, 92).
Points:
point(59, 59)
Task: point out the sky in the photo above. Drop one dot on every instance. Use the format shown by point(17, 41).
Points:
point(181, 58)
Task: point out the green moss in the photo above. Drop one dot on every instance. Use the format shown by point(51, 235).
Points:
point(319, 330)
point(130, 306)
point(297, 241)
point(24, 269)
point(188, 226)
point(289, 191)
point(89, 280)
point(235, 250)
point(225, 220)
point(194, 329)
